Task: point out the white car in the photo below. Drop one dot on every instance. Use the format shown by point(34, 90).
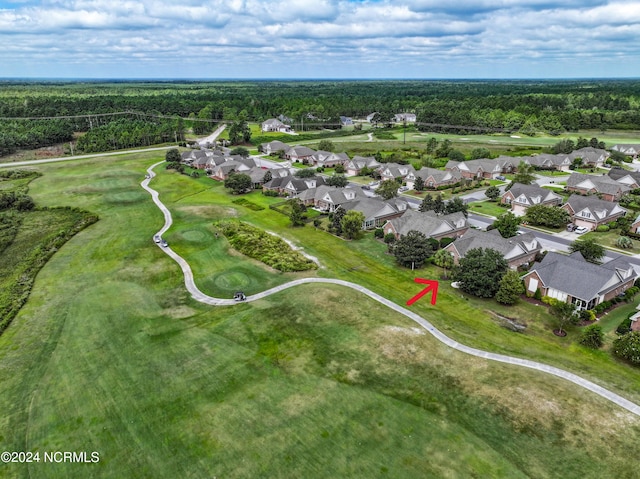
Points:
point(157, 239)
point(581, 229)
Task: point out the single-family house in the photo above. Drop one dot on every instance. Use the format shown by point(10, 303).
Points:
point(328, 198)
point(519, 250)
point(593, 157)
point(572, 279)
point(627, 178)
point(428, 223)
point(292, 185)
point(392, 171)
point(357, 163)
point(433, 178)
point(235, 165)
point(376, 211)
point(404, 118)
point(547, 161)
point(274, 147)
point(483, 167)
point(635, 226)
point(299, 154)
point(591, 212)
point(635, 320)
point(346, 121)
point(328, 159)
point(521, 197)
point(273, 124)
point(258, 173)
point(604, 186)
point(632, 150)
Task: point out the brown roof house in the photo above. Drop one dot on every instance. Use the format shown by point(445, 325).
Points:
point(520, 197)
point(604, 186)
point(517, 251)
point(431, 225)
point(572, 279)
point(592, 212)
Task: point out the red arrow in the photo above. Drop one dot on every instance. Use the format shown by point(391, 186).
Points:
point(431, 286)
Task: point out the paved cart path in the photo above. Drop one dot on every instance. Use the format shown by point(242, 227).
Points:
point(203, 298)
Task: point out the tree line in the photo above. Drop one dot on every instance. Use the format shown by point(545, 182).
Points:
point(454, 106)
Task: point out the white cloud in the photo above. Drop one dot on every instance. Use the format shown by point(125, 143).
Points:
point(322, 35)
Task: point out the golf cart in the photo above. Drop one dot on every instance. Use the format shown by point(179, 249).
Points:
point(239, 296)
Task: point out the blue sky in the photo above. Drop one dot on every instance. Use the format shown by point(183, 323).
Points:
point(319, 39)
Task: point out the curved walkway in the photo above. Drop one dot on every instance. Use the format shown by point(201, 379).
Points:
point(203, 298)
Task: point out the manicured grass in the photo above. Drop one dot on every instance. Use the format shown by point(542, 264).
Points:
point(490, 208)
point(608, 240)
point(110, 354)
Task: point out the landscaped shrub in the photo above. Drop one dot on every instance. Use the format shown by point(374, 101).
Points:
point(627, 347)
point(630, 293)
point(378, 233)
point(625, 326)
point(592, 336)
point(587, 315)
point(270, 193)
point(260, 245)
point(538, 294)
point(602, 229)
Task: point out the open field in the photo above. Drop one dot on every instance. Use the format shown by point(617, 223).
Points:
point(111, 355)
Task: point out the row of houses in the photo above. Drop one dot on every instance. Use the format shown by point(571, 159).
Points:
point(588, 211)
point(568, 278)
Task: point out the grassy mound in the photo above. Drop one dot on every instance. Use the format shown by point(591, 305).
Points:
point(269, 249)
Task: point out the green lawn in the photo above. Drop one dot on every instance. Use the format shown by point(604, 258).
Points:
point(111, 355)
point(490, 208)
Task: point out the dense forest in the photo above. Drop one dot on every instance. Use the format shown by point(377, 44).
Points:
point(120, 114)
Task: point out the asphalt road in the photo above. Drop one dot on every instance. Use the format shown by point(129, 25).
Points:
point(80, 157)
point(201, 297)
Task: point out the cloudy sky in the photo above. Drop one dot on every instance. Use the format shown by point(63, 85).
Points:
point(319, 38)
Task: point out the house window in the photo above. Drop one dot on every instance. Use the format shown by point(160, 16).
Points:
point(585, 214)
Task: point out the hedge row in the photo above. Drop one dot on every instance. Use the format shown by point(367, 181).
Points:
point(260, 245)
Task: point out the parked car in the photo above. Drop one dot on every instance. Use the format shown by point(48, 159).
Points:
point(402, 189)
point(164, 244)
point(570, 227)
point(581, 229)
point(157, 239)
point(501, 178)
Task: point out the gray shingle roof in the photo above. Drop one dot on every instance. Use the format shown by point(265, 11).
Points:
point(509, 247)
point(602, 183)
point(577, 277)
point(429, 223)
